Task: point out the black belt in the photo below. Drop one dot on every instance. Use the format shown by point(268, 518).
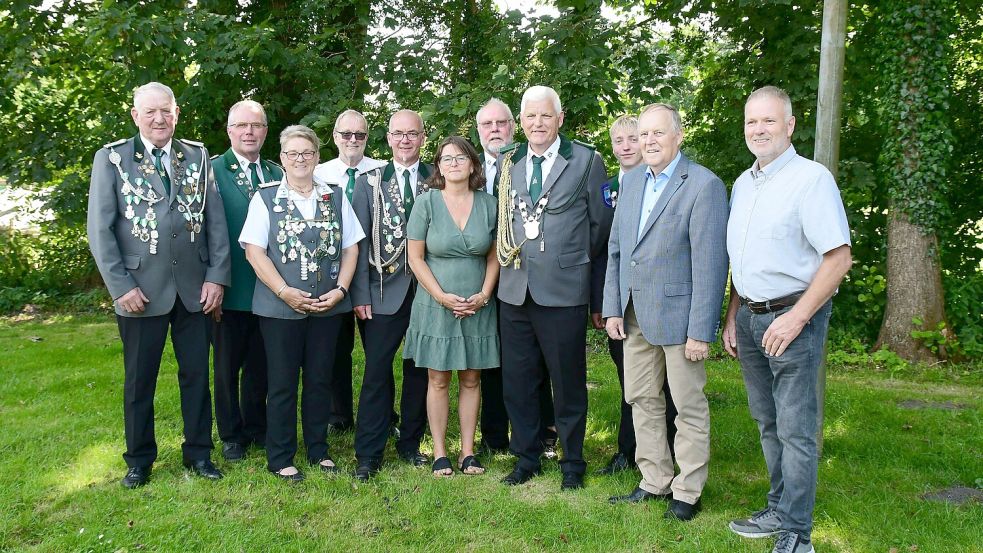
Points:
point(770, 306)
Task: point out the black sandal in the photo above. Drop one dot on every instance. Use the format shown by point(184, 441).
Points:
point(442, 463)
point(471, 462)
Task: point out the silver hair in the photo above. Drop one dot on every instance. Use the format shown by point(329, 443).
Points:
point(493, 102)
point(627, 122)
point(153, 86)
point(773, 92)
point(677, 122)
point(539, 92)
point(402, 111)
point(251, 104)
point(350, 113)
point(300, 131)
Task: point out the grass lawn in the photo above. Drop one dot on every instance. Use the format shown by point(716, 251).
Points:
point(62, 439)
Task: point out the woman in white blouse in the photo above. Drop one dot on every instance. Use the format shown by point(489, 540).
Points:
point(302, 238)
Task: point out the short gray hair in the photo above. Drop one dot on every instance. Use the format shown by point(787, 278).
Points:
point(540, 92)
point(153, 86)
point(677, 122)
point(300, 131)
point(773, 92)
point(402, 111)
point(493, 102)
point(251, 104)
point(627, 122)
point(350, 113)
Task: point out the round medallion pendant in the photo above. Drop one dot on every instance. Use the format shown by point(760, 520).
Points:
point(532, 229)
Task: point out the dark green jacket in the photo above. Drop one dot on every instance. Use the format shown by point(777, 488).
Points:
point(233, 185)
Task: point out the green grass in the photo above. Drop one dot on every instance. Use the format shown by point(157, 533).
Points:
point(62, 436)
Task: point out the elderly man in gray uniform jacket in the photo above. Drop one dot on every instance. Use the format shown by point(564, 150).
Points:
point(158, 234)
point(667, 269)
point(552, 220)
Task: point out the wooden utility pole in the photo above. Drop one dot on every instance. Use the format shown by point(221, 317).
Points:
point(828, 110)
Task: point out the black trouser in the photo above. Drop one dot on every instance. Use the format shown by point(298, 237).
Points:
point(555, 338)
point(342, 411)
point(291, 344)
point(240, 404)
point(494, 417)
point(381, 337)
point(143, 344)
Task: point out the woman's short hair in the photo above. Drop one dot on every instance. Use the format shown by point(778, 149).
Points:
point(300, 131)
point(477, 179)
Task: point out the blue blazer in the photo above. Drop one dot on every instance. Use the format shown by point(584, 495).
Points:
point(674, 272)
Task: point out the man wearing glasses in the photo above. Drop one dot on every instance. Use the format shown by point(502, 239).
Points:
point(239, 357)
point(350, 136)
point(382, 293)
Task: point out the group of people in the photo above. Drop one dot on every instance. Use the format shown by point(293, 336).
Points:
point(490, 265)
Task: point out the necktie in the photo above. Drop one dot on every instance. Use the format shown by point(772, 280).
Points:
point(536, 184)
point(160, 170)
point(253, 175)
point(350, 187)
point(407, 193)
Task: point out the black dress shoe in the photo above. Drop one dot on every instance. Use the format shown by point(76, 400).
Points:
point(637, 496)
point(572, 481)
point(136, 477)
point(680, 510)
point(366, 470)
point(204, 468)
point(618, 463)
point(394, 432)
point(518, 476)
point(415, 458)
point(233, 451)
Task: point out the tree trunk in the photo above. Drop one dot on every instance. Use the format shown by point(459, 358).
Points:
point(914, 289)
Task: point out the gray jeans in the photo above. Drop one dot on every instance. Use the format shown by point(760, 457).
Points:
point(782, 396)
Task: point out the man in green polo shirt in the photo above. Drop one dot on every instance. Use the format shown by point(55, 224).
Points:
point(239, 356)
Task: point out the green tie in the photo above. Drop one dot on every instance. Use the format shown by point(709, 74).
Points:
point(536, 184)
point(350, 188)
point(615, 183)
point(253, 175)
point(160, 170)
point(407, 193)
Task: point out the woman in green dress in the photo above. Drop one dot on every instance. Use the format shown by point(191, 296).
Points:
point(453, 324)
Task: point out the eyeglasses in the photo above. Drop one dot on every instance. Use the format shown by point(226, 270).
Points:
point(399, 135)
point(293, 155)
point(453, 160)
point(244, 126)
point(496, 123)
point(347, 135)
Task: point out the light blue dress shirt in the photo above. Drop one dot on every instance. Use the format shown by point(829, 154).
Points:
point(652, 192)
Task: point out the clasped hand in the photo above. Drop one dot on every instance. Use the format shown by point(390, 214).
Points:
point(462, 307)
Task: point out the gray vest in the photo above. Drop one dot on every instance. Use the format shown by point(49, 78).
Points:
point(265, 301)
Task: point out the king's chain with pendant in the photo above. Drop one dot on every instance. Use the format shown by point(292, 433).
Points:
point(507, 250)
point(190, 184)
point(381, 218)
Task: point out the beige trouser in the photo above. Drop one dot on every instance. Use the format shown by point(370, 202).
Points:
point(646, 368)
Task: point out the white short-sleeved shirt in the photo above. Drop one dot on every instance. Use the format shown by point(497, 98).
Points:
point(782, 220)
point(336, 171)
point(256, 229)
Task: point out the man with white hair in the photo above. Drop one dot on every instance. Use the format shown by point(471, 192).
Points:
point(351, 134)
point(239, 356)
point(158, 235)
point(554, 221)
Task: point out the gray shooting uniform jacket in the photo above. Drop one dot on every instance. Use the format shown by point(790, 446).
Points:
point(554, 268)
point(265, 301)
point(167, 245)
point(378, 204)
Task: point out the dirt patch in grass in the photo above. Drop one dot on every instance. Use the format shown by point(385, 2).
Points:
point(955, 495)
point(912, 404)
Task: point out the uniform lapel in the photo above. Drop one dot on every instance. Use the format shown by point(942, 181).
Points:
point(630, 198)
point(180, 159)
point(565, 153)
point(519, 173)
point(675, 182)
